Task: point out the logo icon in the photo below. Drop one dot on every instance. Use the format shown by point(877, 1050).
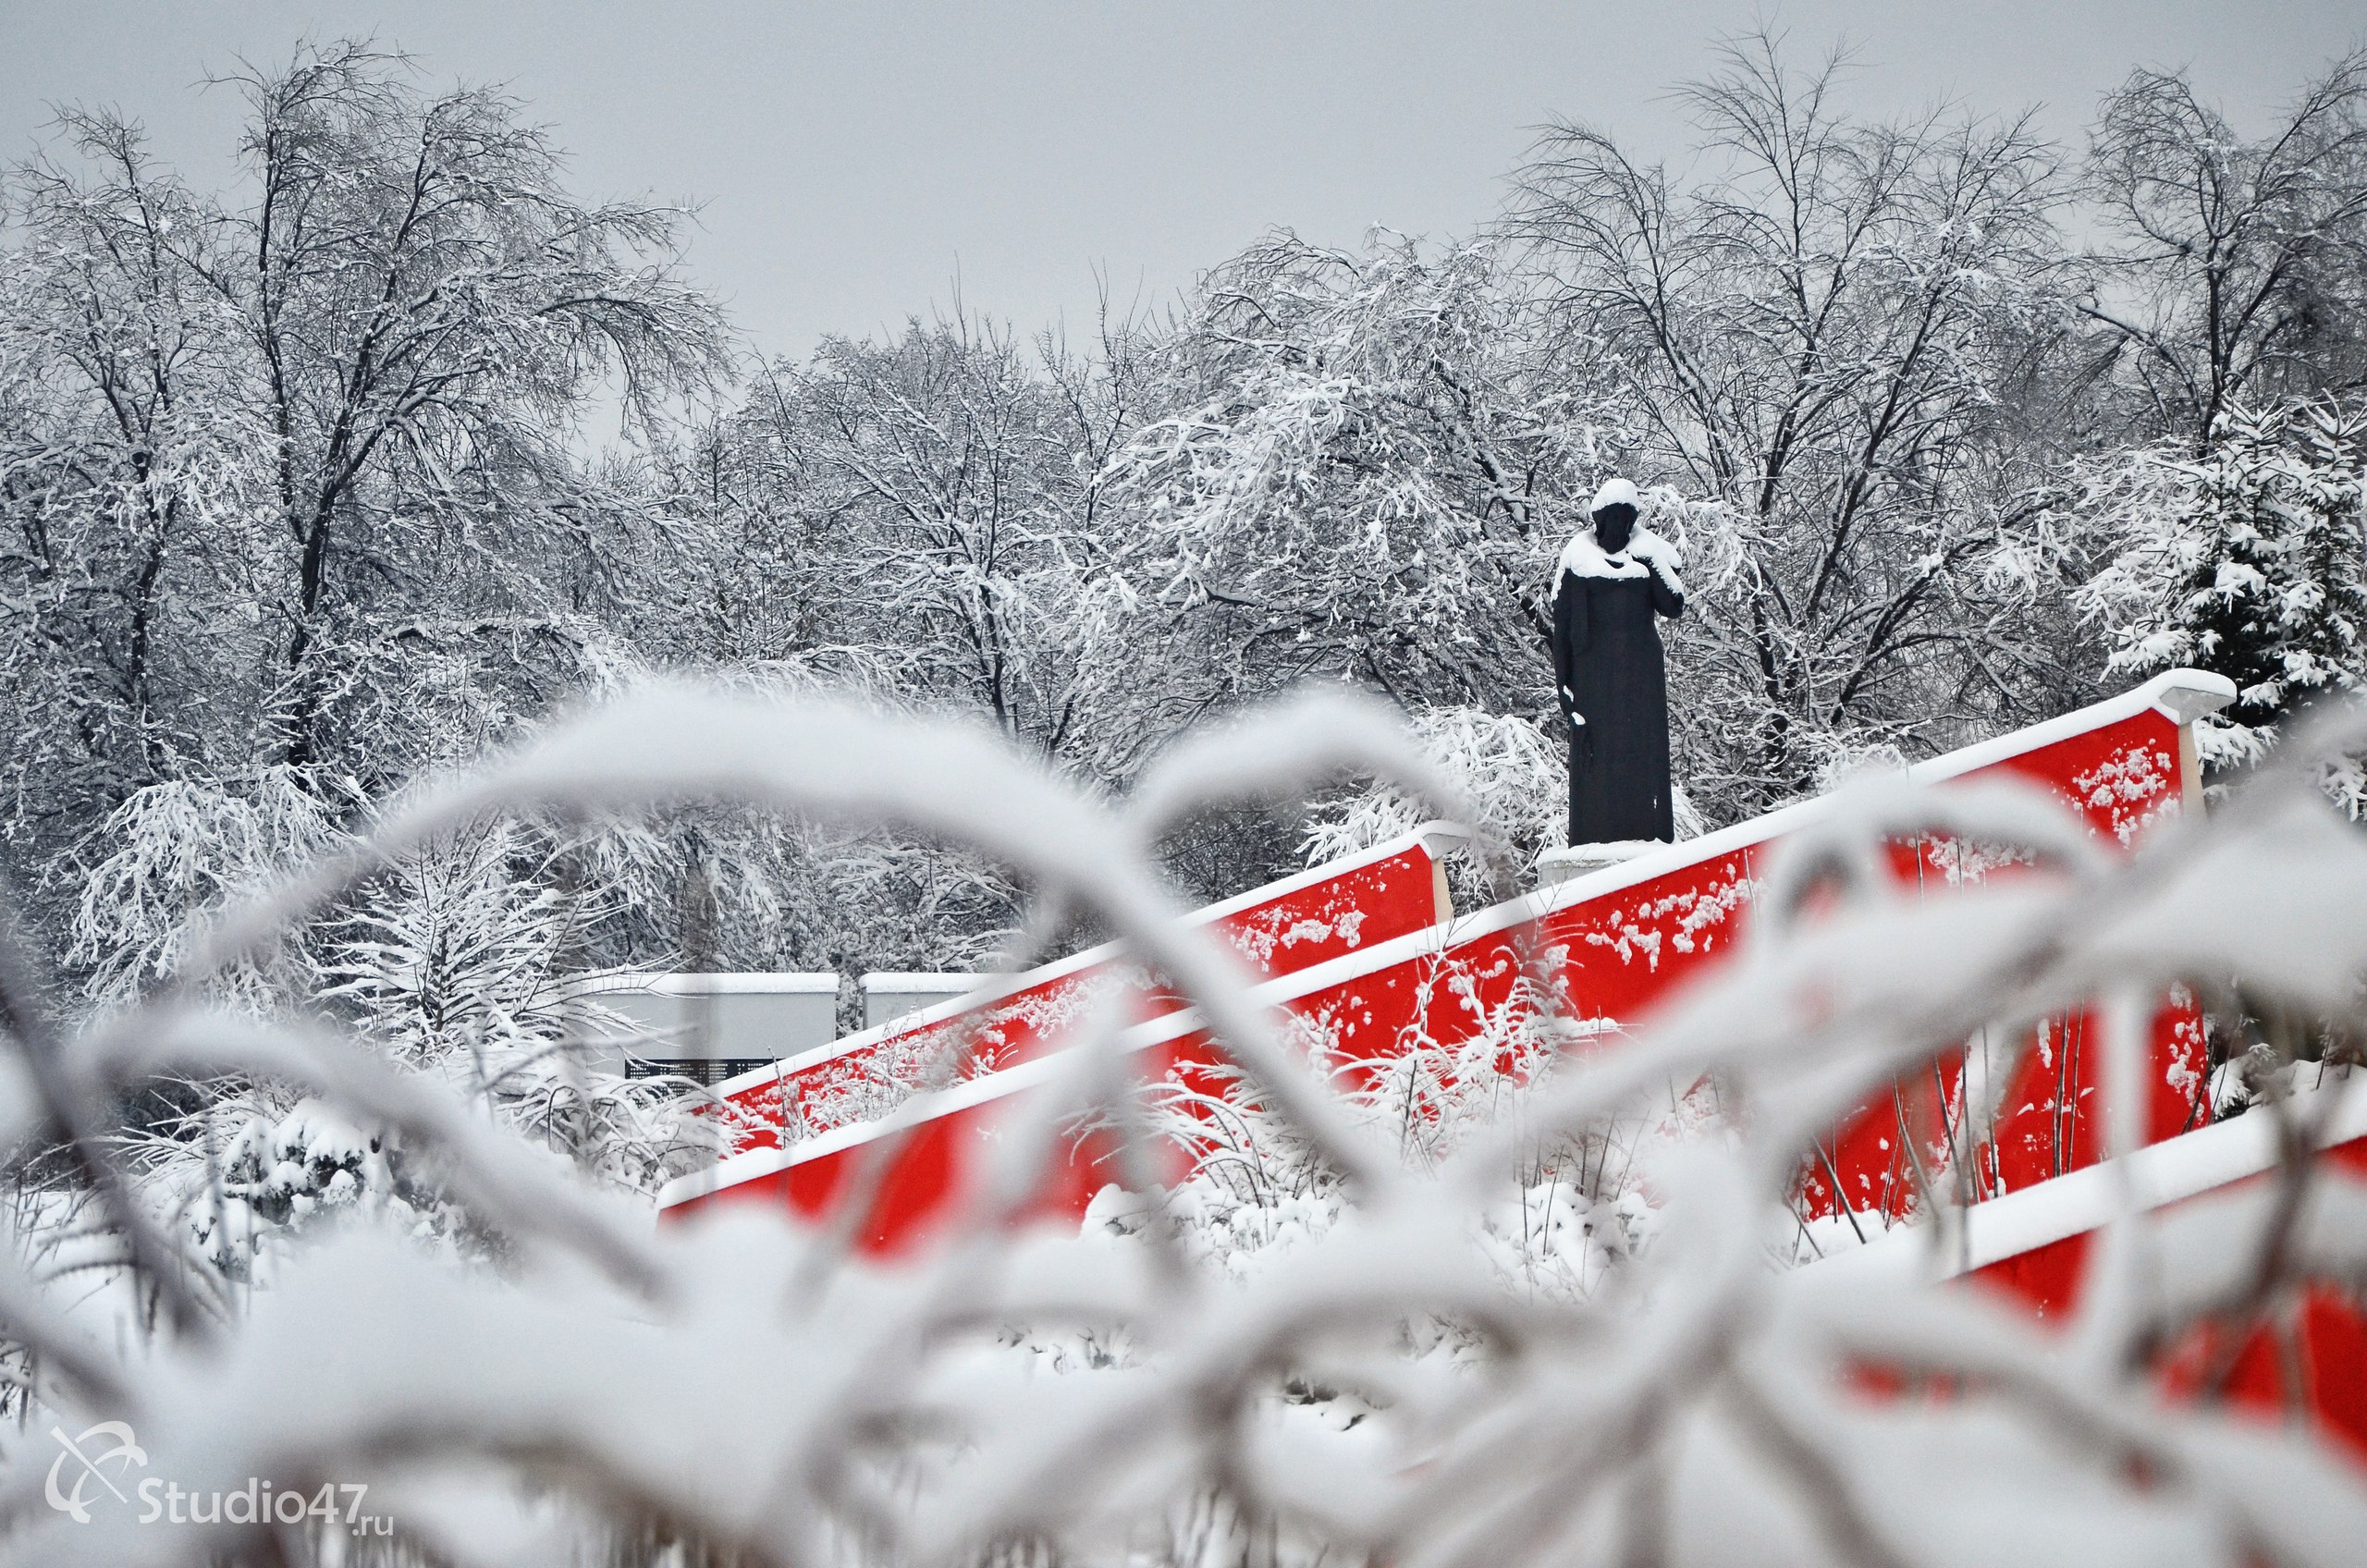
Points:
point(118, 1448)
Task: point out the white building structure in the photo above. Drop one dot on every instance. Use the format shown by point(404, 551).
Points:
point(706, 1027)
point(890, 994)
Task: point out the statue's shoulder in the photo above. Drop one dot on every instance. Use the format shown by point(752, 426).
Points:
point(1583, 557)
point(1648, 545)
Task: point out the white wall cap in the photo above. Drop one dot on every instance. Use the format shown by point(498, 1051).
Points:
point(2188, 694)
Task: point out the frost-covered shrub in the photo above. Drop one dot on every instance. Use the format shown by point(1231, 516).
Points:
point(458, 960)
point(452, 962)
point(175, 855)
point(269, 1178)
point(1510, 774)
point(1256, 1188)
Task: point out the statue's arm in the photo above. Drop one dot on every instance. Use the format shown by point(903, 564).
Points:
point(1667, 597)
point(1668, 588)
point(1569, 641)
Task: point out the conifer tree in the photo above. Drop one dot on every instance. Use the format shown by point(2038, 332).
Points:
point(2248, 559)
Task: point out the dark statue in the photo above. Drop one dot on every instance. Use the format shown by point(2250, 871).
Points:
point(1610, 582)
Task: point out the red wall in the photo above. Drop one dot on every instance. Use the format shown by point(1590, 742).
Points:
point(1613, 957)
point(1352, 905)
point(2319, 1372)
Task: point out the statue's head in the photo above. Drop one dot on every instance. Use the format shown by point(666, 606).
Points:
point(1614, 514)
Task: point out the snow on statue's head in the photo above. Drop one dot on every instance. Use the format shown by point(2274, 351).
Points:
point(1615, 509)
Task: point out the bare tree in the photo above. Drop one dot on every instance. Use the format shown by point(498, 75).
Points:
point(1817, 337)
point(1363, 477)
point(919, 517)
point(923, 512)
point(2237, 268)
point(298, 478)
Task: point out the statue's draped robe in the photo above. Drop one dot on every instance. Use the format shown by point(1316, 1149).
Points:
point(1607, 663)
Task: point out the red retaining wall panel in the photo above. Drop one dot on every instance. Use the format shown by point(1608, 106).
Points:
point(2308, 1360)
point(1334, 911)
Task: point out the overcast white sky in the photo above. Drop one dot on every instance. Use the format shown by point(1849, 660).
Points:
point(853, 160)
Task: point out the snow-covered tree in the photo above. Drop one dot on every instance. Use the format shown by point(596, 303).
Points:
point(1364, 480)
point(921, 514)
point(2249, 559)
point(2235, 270)
point(291, 473)
point(429, 312)
point(1831, 340)
point(921, 517)
point(130, 490)
point(1362, 477)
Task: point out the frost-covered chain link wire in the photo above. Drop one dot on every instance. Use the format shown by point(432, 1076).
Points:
point(1379, 1389)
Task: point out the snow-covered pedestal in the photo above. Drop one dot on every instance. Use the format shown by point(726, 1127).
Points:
point(1560, 865)
point(708, 1028)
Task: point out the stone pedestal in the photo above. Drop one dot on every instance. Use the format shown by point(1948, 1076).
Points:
point(1561, 866)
